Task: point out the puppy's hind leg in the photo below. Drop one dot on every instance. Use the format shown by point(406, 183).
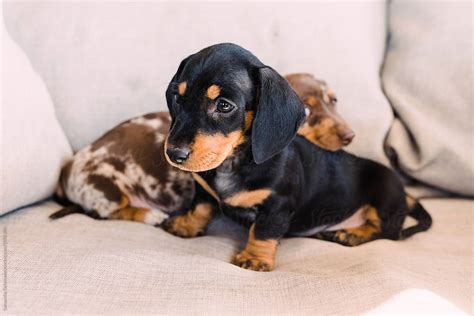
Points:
point(106, 197)
point(102, 208)
point(355, 236)
point(142, 215)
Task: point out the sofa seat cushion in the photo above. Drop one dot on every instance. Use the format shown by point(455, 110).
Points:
point(77, 264)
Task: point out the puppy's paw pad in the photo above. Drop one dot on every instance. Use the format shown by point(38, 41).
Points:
point(249, 262)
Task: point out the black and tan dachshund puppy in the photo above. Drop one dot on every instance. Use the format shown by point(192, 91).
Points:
point(234, 122)
point(124, 175)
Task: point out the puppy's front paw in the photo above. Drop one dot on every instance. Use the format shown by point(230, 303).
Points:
point(182, 226)
point(248, 261)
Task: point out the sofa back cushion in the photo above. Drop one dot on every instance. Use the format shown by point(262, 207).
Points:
point(106, 62)
point(33, 144)
point(428, 79)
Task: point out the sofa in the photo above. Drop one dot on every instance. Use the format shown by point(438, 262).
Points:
point(402, 71)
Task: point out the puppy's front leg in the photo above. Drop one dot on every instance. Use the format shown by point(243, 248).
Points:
point(258, 255)
point(264, 235)
point(191, 224)
point(195, 221)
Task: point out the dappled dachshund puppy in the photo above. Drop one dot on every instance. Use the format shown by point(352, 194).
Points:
point(323, 126)
point(234, 122)
point(124, 174)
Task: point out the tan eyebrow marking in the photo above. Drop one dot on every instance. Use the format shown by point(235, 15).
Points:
point(330, 93)
point(213, 92)
point(182, 88)
point(326, 98)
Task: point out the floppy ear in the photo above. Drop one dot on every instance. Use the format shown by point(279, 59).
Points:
point(279, 115)
point(173, 86)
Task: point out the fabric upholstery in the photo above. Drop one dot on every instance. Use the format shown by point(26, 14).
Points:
point(33, 145)
point(77, 264)
point(428, 79)
point(114, 60)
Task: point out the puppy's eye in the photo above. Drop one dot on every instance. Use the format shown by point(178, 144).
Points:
point(334, 99)
point(224, 106)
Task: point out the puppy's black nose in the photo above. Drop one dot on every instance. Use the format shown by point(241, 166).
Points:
point(178, 155)
point(348, 137)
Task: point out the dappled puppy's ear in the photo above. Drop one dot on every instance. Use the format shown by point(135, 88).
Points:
point(175, 87)
point(279, 114)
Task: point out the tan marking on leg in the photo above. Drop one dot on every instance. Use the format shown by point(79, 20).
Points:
point(182, 88)
point(248, 198)
point(355, 220)
point(191, 224)
point(130, 214)
point(258, 255)
point(142, 215)
point(411, 201)
point(205, 186)
point(213, 91)
point(364, 233)
point(124, 202)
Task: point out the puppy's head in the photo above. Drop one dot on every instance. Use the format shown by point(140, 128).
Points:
point(224, 96)
point(323, 125)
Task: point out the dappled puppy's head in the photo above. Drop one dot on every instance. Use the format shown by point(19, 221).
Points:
point(223, 97)
point(323, 125)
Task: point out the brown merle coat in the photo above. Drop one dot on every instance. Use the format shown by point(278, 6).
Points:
point(124, 175)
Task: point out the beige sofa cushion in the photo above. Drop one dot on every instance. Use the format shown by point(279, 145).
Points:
point(106, 62)
point(77, 264)
point(33, 145)
point(428, 79)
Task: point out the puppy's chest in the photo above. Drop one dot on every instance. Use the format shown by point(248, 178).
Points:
point(233, 197)
point(226, 183)
point(237, 193)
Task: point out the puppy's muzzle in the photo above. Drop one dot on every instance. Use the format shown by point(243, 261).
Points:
point(178, 155)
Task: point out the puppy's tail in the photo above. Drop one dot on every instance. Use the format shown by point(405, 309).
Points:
point(67, 210)
point(418, 212)
point(61, 199)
